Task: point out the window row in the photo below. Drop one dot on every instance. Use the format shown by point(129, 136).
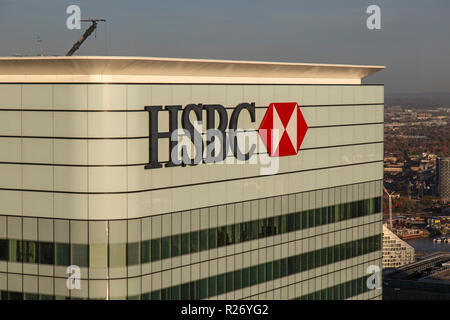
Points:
point(339, 292)
point(238, 279)
point(121, 255)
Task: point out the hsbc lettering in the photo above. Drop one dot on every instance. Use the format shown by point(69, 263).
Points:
point(281, 131)
point(214, 135)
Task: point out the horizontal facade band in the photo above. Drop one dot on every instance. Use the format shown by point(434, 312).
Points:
point(148, 137)
point(43, 252)
point(193, 184)
point(142, 110)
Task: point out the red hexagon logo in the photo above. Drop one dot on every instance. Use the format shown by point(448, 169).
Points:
point(283, 129)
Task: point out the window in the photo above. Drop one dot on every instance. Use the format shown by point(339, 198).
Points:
point(176, 293)
point(185, 243)
point(212, 242)
point(185, 291)
point(298, 220)
point(117, 255)
point(284, 268)
point(237, 279)
point(46, 253)
point(261, 273)
point(221, 236)
point(230, 282)
point(212, 286)
point(15, 251)
point(253, 275)
point(3, 250)
point(230, 234)
point(176, 245)
point(317, 217)
point(166, 247)
point(269, 271)
point(276, 269)
point(62, 254)
point(30, 252)
point(194, 242)
point(156, 249)
point(145, 251)
point(79, 254)
point(238, 233)
point(254, 230)
point(203, 288)
point(220, 284)
point(291, 222)
point(262, 228)
point(311, 219)
point(245, 277)
point(133, 253)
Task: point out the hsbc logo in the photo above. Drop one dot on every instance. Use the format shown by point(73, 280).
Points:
point(281, 131)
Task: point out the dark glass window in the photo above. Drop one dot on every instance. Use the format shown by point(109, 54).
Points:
point(262, 228)
point(270, 227)
point(133, 253)
point(185, 243)
point(221, 236)
point(212, 286)
point(30, 252)
point(291, 222)
point(220, 284)
point(145, 251)
point(305, 219)
point(176, 293)
point(15, 251)
point(324, 212)
point(230, 234)
point(276, 269)
point(156, 249)
point(203, 240)
point(237, 279)
point(194, 242)
point(230, 282)
point(185, 291)
point(80, 254)
point(311, 219)
point(46, 253)
point(212, 243)
point(317, 217)
point(254, 230)
point(176, 245)
point(245, 277)
point(284, 269)
point(203, 289)
point(166, 247)
point(284, 223)
point(3, 250)
point(156, 295)
point(245, 231)
point(62, 254)
point(269, 271)
point(298, 220)
point(238, 233)
point(253, 275)
point(261, 273)
point(277, 225)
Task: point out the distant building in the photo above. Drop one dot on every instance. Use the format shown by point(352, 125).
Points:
point(427, 279)
point(396, 252)
point(443, 178)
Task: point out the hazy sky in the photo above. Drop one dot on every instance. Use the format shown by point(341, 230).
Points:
point(414, 42)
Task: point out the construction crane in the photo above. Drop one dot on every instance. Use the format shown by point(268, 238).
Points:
point(86, 34)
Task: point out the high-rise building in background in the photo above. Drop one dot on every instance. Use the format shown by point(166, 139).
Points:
point(443, 178)
point(88, 179)
point(396, 252)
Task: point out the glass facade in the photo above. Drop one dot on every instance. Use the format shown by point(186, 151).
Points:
point(74, 192)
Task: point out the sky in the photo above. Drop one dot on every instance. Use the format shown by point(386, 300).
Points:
point(413, 42)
